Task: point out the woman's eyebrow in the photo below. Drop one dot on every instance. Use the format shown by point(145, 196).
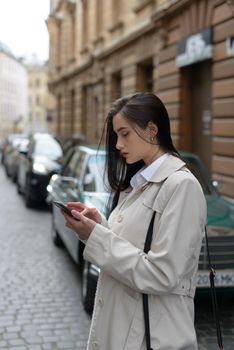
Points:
point(121, 128)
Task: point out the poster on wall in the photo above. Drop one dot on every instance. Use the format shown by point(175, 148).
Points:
point(230, 45)
point(195, 48)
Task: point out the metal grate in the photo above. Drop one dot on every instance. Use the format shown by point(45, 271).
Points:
point(221, 253)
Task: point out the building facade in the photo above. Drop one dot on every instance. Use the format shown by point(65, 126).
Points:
point(182, 50)
point(13, 93)
point(41, 103)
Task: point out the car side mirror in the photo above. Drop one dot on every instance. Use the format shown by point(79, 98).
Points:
point(218, 185)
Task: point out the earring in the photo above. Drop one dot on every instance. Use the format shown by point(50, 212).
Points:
point(152, 139)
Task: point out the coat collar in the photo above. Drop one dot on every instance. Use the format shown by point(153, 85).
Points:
point(168, 167)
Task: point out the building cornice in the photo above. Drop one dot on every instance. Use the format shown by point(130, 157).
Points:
point(177, 7)
point(70, 74)
point(124, 41)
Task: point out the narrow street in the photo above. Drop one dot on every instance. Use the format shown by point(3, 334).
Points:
point(40, 302)
point(40, 288)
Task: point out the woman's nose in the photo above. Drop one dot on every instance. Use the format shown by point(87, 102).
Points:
point(118, 145)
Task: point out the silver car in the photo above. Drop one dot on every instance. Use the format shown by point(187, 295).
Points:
point(81, 180)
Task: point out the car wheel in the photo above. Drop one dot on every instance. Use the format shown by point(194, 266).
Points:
point(14, 178)
point(7, 171)
point(88, 288)
point(18, 188)
point(28, 200)
point(55, 236)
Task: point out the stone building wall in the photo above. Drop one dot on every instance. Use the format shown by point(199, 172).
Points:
point(101, 50)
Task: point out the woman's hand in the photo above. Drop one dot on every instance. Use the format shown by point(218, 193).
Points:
point(87, 218)
point(91, 213)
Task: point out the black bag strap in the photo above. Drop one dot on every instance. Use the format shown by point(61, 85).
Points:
point(147, 245)
point(148, 241)
point(214, 296)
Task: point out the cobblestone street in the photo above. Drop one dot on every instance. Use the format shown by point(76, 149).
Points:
point(40, 302)
point(40, 289)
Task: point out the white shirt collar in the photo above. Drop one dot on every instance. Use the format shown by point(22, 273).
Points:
point(145, 174)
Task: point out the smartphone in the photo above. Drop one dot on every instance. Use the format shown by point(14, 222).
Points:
point(65, 209)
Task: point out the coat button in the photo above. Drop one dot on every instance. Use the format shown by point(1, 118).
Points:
point(95, 344)
point(120, 218)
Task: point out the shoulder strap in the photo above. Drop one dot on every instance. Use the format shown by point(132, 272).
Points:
point(214, 296)
point(148, 241)
point(149, 235)
point(212, 284)
point(147, 246)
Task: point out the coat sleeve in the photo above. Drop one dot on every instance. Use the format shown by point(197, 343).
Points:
point(104, 221)
point(174, 250)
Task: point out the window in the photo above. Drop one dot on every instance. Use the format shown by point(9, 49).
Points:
point(116, 85)
point(80, 166)
point(145, 76)
point(94, 174)
point(84, 23)
point(70, 168)
point(99, 16)
point(37, 100)
point(49, 147)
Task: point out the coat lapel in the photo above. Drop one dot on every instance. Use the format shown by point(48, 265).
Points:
point(167, 168)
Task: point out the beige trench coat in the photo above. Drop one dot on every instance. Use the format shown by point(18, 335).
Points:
point(167, 273)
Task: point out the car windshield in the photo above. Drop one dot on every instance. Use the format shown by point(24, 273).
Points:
point(16, 142)
point(48, 147)
point(96, 167)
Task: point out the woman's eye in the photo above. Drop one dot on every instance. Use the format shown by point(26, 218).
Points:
point(125, 134)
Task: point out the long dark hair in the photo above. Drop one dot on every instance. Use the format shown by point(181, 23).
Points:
point(139, 109)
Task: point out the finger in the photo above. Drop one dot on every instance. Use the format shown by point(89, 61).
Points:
point(77, 205)
point(85, 211)
point(80, 216)
point(67, 217)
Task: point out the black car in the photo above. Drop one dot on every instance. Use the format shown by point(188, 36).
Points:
point(37, 164)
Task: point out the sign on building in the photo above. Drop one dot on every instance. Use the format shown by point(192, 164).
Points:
point(195, 48)
point(230, 46)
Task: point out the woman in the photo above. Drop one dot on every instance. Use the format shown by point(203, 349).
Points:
point(146, 175)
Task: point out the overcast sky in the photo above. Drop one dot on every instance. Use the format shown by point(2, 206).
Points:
point(23, 28)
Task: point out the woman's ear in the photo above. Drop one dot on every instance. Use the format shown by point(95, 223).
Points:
point(153, 129)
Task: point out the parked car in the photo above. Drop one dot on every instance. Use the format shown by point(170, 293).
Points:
point(81, 179)
point(7, 144)
point(75, 140)
point(75, 184)
point(12, 156)
point(220, 230)
point(37, 164)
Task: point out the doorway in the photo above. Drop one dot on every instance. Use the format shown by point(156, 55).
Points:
point(196, 110)
point(145, 76)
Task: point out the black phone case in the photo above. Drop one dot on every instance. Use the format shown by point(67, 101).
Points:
point(64, 208)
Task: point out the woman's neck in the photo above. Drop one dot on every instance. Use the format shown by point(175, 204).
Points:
point(154, 155)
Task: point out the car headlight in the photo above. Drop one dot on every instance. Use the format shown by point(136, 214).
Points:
point(49, 188)
point(40, 168)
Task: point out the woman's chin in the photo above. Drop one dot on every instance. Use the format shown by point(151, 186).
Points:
point(130, 161)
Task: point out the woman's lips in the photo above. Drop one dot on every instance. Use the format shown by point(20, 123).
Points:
point(124, 154)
